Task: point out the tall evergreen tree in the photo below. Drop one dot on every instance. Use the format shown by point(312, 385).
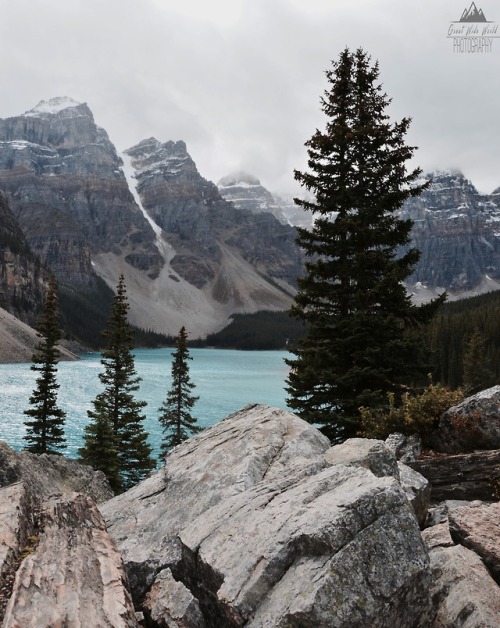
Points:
point(115, 441)
point(45, 429)
point(176, 418)
point(352, 296)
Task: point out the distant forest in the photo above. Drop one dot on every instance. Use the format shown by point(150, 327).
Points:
point(451, 331)
point(446, 339)
point(259, 331)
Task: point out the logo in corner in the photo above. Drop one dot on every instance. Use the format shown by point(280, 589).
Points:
point(473, 33)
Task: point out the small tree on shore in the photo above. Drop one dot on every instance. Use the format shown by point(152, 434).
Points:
point(115, 440)
point(45, 429)
point(176, 418)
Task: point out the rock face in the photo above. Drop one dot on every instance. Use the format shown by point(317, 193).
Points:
point(22, 281)
point(464, 547)
point(58, 565)
point(47, 474)
point(189, 257)
point(255, 526)
point(478, 527)
point(455, 228)
point(463, 592)
point(246, 192)
point(200, 225)
point(473, 424)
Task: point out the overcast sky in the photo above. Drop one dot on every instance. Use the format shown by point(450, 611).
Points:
point(240, 80)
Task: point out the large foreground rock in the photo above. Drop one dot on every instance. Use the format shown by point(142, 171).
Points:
point(72, 574)
point(258, 527)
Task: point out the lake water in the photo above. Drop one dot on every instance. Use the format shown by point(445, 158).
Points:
point(225, 381)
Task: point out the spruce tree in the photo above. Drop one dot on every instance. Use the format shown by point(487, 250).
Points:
point(45, 430)
point(115, 441)
point(176, 418)
point(477, 374)
point(352, 296)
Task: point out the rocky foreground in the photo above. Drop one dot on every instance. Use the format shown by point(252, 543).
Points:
point(256, 522)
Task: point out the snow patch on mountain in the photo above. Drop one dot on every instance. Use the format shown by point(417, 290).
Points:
point(129, 172)
point(52, 106)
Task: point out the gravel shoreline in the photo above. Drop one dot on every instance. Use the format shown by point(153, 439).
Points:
point(18, 340)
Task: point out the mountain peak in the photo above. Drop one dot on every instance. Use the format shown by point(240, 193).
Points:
point(52, 106)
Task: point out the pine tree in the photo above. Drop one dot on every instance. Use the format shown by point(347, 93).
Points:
point(176, 418)
point(477, 374)
point(45, 431)
point(115, 440)
point(352, 296)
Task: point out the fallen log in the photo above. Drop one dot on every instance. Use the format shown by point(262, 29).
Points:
point(462, 476)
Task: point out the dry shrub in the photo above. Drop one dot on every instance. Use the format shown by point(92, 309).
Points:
point(416, 413)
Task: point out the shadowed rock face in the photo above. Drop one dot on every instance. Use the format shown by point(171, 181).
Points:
point(251, 524)
point(21, 278)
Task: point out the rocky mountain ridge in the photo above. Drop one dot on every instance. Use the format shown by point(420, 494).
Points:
point(245, 191)
point(457, 230)
point(188, 257)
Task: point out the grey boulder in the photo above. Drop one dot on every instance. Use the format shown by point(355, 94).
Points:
point(463, 592)
point(47, 474)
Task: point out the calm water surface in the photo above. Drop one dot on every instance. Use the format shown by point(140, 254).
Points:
point(225, 381)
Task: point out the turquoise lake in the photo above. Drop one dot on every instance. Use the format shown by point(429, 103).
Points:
point(225, 380)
